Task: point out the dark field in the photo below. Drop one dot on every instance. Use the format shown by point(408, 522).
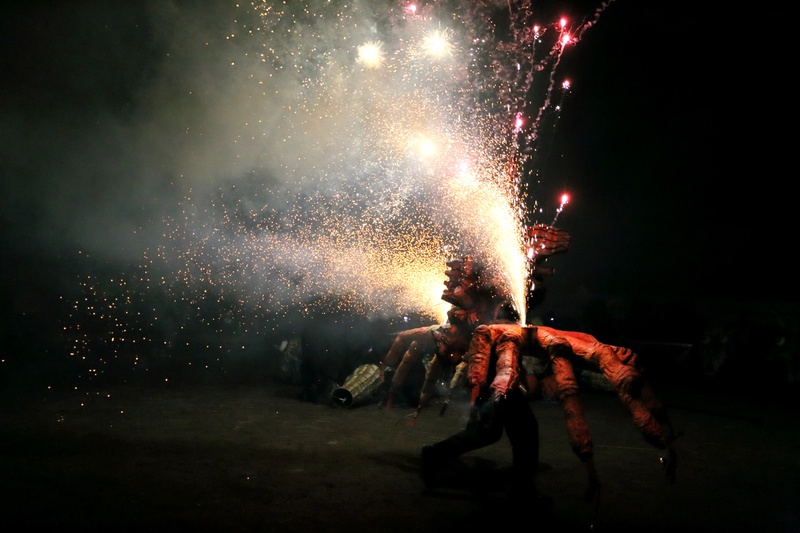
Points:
point(251, 456)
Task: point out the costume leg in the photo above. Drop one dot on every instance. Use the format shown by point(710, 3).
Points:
point(649, 415)
point(580, 439)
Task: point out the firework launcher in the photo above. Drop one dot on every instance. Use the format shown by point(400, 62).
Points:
point(359, 387)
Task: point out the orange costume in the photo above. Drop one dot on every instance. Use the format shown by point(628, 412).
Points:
point(562, 349)
point(407, 349)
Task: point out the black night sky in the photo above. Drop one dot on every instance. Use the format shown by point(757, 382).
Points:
point(106, 107)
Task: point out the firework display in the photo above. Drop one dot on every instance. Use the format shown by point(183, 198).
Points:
point(408, 137)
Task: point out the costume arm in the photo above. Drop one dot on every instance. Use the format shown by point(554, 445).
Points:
point(508, 361)
point(478, 356)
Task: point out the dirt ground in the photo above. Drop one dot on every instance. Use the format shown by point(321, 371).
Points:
point(253, 457)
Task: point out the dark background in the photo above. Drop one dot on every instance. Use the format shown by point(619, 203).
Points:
point(664, 143)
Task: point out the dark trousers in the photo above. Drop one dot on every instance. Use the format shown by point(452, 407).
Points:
point(488, 419)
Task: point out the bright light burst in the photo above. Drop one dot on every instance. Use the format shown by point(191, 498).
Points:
point(371, 54)
point(437, 44)
point(373, 177)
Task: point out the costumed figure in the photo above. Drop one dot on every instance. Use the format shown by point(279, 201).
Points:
point(476, 300)
point(498, 404)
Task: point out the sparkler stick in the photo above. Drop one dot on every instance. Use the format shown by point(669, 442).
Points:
point(564, 201)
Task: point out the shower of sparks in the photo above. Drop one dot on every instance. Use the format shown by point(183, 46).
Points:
point(397, 133)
